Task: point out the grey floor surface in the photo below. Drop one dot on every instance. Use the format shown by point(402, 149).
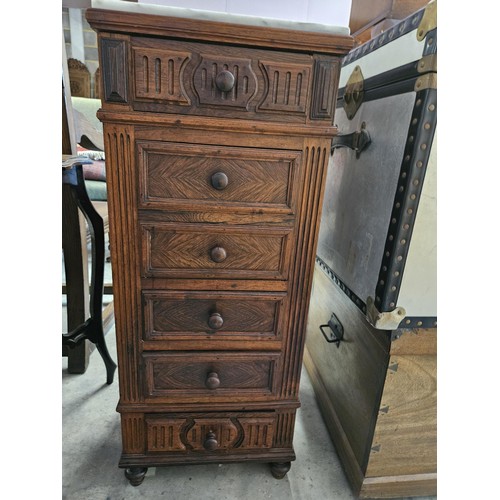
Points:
point(91, 450)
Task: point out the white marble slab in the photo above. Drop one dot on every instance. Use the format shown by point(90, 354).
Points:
point(208, 15)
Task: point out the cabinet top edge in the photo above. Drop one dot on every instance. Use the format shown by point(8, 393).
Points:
point(298, 40)
point(219, 124)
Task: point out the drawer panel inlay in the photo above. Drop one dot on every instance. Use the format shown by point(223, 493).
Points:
point(218, 314)
point(191, 375)
point(173, 174)
point(207, 252)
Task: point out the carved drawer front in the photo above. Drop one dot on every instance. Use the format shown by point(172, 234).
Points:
point(225, 81)
point(173, 175)
point(205, 251)
point(217, 80)
point(209, 434)
point(158, 75)
point(214, 375)
point(195, 315)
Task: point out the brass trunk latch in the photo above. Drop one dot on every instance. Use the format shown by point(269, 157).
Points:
point(353, 95)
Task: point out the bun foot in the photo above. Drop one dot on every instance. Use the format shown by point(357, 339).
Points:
point(135, 475)
point(279, 470)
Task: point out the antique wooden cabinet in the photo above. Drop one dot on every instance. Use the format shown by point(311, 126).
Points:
point(217, 138)
point(372, 325)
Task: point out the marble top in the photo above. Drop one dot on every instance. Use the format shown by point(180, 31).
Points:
point(205, 15)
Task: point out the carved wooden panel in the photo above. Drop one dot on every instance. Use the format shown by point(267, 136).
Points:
point(164, 434)
point(258, 432)
point(223, 431)
point(79, 78)
point(183, 433)
point(119, 144)
point(171, 314)
point(189, 375)
point(115, 82)
point(214, 251)
point(207, 89)
point(316, 157)
point(173, 173)
point(287, 86)
point(97, 84)
point(326, 73)
point(133, 432)
point(158, 75)
point(285, 422)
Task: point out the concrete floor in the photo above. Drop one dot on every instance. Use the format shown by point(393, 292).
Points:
point(91, 450)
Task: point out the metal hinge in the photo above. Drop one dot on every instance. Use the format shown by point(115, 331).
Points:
point(427, 64)
point(357, 141)
point(354, 92)
point(428, 81)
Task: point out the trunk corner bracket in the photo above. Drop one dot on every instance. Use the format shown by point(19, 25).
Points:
point(429, 20)
point(383, 320)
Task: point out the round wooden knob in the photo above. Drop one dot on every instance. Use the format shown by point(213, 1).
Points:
point(215, 321)
point(224, 81)
point(219, 180)
point(218, 254)
point(212, 381)
point(210, 442)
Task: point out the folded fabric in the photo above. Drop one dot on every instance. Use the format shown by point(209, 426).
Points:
point(95, 171)
point(96, 190)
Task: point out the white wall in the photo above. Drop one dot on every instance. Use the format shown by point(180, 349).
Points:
point(332, 12)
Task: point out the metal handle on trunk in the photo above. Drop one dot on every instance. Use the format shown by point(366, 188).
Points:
point(357, 141)
point(336, 334)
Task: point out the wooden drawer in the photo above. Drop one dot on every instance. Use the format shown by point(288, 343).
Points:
point(212, 376)
point(216, 80)
point(207, 177)
point(209, 433)
point(181, 315)
point(209, 251)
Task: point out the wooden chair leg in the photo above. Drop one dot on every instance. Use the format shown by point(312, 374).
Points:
point(92, 328)
point(77, 280)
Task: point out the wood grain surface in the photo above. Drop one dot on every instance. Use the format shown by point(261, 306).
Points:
point(186, 315)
